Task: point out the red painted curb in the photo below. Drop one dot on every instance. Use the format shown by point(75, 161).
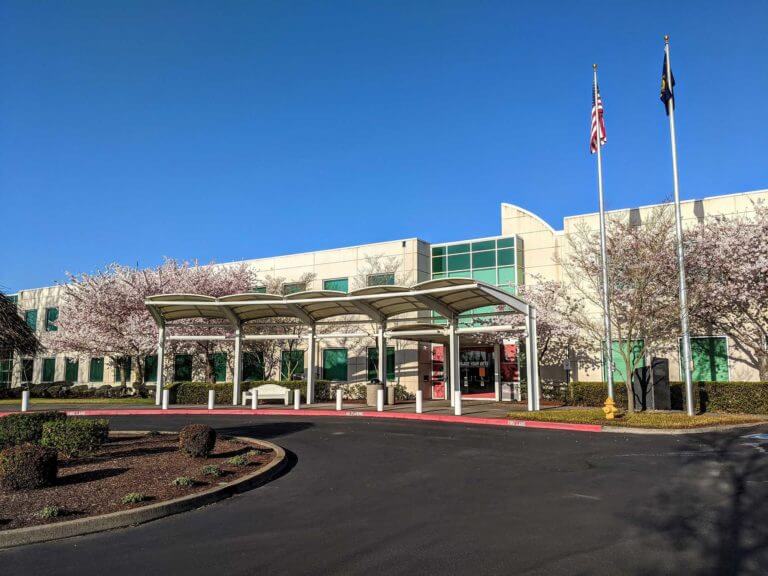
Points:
point(342, 413)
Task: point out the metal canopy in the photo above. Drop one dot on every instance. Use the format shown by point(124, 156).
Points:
point(447, 297)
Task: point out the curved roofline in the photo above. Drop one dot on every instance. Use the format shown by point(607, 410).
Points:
point(531, 214)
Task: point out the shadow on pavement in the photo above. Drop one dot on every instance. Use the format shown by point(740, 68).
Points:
point(265, 430)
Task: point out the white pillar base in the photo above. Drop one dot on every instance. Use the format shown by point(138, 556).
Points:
point(254, 399)
point(296, 399)
point(379, 400)
point(211, 399)
point(457, 404)
point(419, 401)
point(24, 400)
point(338, 399)
point(166, 394)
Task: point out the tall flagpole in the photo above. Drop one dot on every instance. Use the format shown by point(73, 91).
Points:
point(680, 253)
point(603, 252)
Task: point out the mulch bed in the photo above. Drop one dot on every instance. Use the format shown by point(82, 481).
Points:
point(147, 464)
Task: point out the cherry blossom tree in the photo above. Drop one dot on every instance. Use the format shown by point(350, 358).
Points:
point(727, 268)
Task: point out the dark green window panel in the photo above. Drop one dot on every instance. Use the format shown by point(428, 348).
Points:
point(182, 368)
point(338, 284)
point(484, 259)
point(505, 242)
point(636, 353)
point(6, 370)
point(294, 287)
point(121, 364)
point(96, 370)
point(71, 370)
point(291, 364)
point(438, 264)
point(49, 369)
point(506, 257)
point(14, 298)
point(51, 315)
point(710, 359)
point(30, 317)
point(259, 289)
point(438, 250)
point(458, 248)
point(218, 364)
point(150, 368)
point(458, 262)
point(27, 369)
point(373, 363)
point(484, 245)
point(385, 279)
point(335, 364)
point(253, 366)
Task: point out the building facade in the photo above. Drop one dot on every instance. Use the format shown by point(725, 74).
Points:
point(525, 250)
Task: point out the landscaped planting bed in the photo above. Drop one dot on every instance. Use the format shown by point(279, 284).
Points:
point(127, 472)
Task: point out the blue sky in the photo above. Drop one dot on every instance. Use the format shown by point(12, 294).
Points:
point(130, 131)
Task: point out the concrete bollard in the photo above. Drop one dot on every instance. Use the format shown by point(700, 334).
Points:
point(24, 400)
point(379, 400)
point(166, 394)
point(287, 397)
point(419, 401)
point(296, 399)
point(254, 399)
point(211, 399)
point(457, 403)
point(338, 399)
point(245, 398)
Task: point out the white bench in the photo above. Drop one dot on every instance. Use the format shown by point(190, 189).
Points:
point(269, 392)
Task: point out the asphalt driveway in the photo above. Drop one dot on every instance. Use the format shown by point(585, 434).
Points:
point(393, 497)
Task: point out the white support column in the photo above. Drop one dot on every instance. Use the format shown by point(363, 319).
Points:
point(535, 362)
point(454, 354)
point(160, 364)
point(419, 401)
point(211, 399)
point(528, 362)
point(237, 366)
point(379, 400)
point(24, 400)
point(311, 361)
point(338, 399)
point(382, 345)
point(296, 399)
point(166, 394)
point(497, 370)
point(254, 399)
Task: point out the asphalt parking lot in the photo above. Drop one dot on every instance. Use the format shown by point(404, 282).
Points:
point(395, 497)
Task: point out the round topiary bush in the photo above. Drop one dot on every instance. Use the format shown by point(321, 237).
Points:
point(197, 440)
point(27, 466)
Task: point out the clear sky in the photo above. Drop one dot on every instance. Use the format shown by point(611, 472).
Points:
point(221, 130)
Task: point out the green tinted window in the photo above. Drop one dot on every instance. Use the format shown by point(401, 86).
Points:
point(458, 248)
point(505, 242)
point(121, 364)
point(150, 368)
point(484, 259)
point(51, 315)
point(506, 275)
point(96, 370)
point(710, 359)
point(484, 245)
point(27, 369)
point(253, 366)
point(6, 370)
point(487, 276)
point(13, 298)
point(335, 364)
point(636, 354)
point(182, 368)
point(438, 276)
point(506, 257)
point(259, 289)
point(338, 284)
point(386, 279)
point(438, 264)
point(458, 262)
point(373, 363)
point(438, 250)
point(294, 287)
point(71, 370)
point(49, 369)
point(30, 317)
point(218, 365)
point(291, 364)
point(462, 274)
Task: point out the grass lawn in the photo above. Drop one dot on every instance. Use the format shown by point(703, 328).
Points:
point(638, 419)
point(33, 401)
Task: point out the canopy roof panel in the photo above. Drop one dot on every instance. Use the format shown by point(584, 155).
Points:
point(448, 298)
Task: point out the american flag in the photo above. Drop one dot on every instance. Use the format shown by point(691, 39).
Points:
point(597, 112)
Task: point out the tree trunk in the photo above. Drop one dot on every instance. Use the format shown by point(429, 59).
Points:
point(762, 365)
point(630, 396)
point(139, 377)
point(210, 372)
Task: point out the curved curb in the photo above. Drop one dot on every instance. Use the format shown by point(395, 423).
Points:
point(122, 519)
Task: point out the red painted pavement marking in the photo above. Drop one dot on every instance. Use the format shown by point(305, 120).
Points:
point(350, 413)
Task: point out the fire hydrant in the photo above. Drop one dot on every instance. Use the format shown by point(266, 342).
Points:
point(610, 409)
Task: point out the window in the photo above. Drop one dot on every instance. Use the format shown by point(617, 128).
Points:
point(182, 368)
point(150, 368)
point(13, 298)
point(339, 284)
point(259, 289)
point(51, 315)
point(6, 369)
point(71, 369)
point(373, 363)
point(335, 364)
point(636, 353)
point(30, 317)
point(293, 287)
point(218, 365)
point(96, 370)
point(485, 259)
point(27, 369)
point(291, 364)
point(49, 370)
point(385, 279)
point(458, 262)
point(253, 366)
point(458, 248)
point(710, 359)
point(121, 364)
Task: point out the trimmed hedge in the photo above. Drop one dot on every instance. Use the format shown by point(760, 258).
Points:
point(197, 392)
point(27, 466)
point(197, 440)
point(67, 390)
point(75, 436)
point(733, 397)
point(25, 427)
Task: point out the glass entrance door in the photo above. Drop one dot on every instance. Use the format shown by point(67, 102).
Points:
point(477, 376)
